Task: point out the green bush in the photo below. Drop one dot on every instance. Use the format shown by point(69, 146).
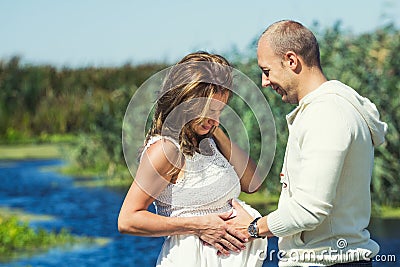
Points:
point(17, 237)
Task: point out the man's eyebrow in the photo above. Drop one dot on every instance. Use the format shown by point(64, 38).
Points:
point(263, 67)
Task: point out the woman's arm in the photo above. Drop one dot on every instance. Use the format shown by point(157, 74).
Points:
point(244, 166)
point(151, 178)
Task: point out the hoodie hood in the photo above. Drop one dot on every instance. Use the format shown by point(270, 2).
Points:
point(363, 105)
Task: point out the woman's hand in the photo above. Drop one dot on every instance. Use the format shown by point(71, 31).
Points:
point(241, 222)
point(213, 230)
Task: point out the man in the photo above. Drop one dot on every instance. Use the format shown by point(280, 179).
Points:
point(325, 205)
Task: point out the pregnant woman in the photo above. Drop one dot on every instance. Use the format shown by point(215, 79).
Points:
point(193, 173)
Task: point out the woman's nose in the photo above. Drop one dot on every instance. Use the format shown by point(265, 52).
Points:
point(214, 121)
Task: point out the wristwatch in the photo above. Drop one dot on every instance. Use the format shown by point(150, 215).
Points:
point(253, 229)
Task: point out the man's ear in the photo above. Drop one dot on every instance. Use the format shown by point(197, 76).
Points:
point(292, 60)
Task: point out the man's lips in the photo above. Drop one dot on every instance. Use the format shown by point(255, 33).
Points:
point(278, 90)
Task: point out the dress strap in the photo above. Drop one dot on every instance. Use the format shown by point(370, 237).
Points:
point(172, 140)
point(156, 138)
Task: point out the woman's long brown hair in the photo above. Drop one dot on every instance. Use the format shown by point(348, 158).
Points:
point(197, 75)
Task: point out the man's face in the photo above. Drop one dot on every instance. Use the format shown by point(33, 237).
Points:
point(275, 73)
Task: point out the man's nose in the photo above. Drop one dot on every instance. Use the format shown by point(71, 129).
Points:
point(265, 81)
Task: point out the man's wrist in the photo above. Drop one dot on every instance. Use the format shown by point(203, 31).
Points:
point(263, 229)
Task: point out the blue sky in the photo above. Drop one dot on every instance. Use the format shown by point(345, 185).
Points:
point(78, 33)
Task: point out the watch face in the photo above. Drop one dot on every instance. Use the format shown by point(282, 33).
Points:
point(252, 230)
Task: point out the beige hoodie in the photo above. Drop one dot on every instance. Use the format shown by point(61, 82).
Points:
point(325, 203)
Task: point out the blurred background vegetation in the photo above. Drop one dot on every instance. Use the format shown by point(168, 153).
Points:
point(83, 109)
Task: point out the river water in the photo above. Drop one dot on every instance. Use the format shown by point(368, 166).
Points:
point(93, 212)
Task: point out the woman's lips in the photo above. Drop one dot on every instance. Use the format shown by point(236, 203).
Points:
point(207, 128)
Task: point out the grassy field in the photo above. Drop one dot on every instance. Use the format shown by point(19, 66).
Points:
point(261, 201)
point(30, 151)
point(22, 215)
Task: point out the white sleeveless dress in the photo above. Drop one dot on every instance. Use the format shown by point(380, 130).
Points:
point(208, 186)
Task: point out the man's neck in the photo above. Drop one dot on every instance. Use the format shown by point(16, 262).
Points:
point(311, 80)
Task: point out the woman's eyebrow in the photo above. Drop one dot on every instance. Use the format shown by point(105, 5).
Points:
point(213, 109)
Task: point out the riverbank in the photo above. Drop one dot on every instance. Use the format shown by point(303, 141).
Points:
point(31, 187)
point(31, 151)
point(263, 201)
point(18, 239)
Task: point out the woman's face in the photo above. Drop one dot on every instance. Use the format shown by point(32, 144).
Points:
point(217, 104)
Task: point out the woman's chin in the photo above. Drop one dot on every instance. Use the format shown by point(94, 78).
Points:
point(203, 132)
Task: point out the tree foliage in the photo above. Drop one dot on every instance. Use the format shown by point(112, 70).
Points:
point(370, 63)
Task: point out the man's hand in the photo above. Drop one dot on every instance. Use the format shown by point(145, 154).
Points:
point(214, 231)
point(241, 222)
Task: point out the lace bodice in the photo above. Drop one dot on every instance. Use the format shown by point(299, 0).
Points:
point(207, 186)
